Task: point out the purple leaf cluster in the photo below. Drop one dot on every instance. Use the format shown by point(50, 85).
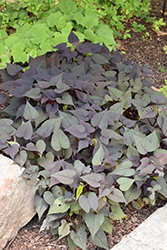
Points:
point(89, 126)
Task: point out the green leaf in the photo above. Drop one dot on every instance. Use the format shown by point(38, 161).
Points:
point(98, 157)
point(101, 202)
point(131, 151)
point(52, 17)
point(59, 206)
point(30, 112)
point(107, 225)
point(71, 244)
point(40, 206)
point(75, 207)
point(90, 35)
point(161, 181)
point(21, 158)
point(66, 153)
point(48, 127)
point(97, 58)
point(124, 169)
point(88, 202)
point(164, 127)
point(59, 38)
point(129, 136)
point(94, 222)
point(41, 35)
point(79, 18)
point(117, 213)
point(90, 20)
point(3, 34)
point(147, 144)
point(59, 140)
point(100, 239)
point(100, 120)
point(25, 130)
point(48, 197)
point(116, 195)
point(33, 93)
point(64, 229)
point(79, 191)
point(93, 179)
point(42, 117)
point(67, 6)
point(65, 176)
point(43, 161)
point(132, 193)
point(40, 144)
point(79, 238)
point(125, 183)
point(117, 107)
point(110, 134)
point(115, 93)
point(105, 34)
point(17, 51)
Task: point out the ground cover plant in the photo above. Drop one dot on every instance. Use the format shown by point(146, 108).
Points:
point(164, 89)
point(31, 28)
point(89, 127)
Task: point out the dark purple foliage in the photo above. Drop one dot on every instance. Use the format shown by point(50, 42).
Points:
point(84, 131)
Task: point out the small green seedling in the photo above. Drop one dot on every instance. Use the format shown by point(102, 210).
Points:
point(138, 27)
point(146, 36)
point(157, 24)
point(164, 89)
point(165, 49)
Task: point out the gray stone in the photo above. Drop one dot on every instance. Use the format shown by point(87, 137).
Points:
point(16, 200)
point(149, 235)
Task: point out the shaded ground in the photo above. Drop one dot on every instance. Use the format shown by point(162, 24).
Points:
point(149, 51)
point(30, 238)
point(145, 52)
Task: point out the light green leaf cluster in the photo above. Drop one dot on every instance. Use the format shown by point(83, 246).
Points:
point(45, 29)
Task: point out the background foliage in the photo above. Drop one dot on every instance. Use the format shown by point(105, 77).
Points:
point(31, 28)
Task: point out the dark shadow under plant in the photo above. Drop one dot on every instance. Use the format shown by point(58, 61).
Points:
point(94, 138)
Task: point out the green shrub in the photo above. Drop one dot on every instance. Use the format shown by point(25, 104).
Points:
point(93, 132)
point(35, 27)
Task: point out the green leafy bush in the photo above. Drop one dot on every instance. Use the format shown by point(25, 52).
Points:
point(35, 27)
point(92, 131)
point(17, 13)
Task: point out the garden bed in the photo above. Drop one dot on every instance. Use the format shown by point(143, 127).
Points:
point(145, 52)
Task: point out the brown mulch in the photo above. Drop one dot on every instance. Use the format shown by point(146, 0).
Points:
point(149, 53)
point(29, 237)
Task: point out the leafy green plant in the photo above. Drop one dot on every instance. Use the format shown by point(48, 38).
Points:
point(164, 89)
point(158, 23)
point(146, 36)
point(128, 8)
point(165, 49)
point(17, 13)
point(35, 27)
point(126, 34)
point(162, 69)
point(35, 40)
point(138, 27)
point(13, 15)
point(91, 130)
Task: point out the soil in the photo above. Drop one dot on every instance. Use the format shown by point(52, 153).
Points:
point(148, 52)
